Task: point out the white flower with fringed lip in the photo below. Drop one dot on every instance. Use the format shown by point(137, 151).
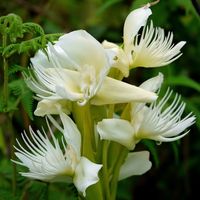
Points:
point(156, 122)
point(151, 48)
point(54, 162)
point(75, 68)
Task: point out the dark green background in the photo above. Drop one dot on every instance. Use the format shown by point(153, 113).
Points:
point(176, 166)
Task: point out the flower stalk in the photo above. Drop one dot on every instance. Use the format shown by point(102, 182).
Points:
point(114, 181)
point(84, 122)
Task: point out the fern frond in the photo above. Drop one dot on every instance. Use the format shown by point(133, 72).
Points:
point(11, 25)
point(27, 102)
point(30, 27)
point(10, 50)
point(20, 89)
point(30, 45)
point(53, 37)
point(16, 68)
point(17, 87)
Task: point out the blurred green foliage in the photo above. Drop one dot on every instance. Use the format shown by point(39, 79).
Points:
point(175, 168)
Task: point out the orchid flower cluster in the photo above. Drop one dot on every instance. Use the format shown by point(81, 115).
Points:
point(78, 83)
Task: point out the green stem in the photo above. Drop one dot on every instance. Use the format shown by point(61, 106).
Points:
point(9, 136)
point(8, 123)
point(105, 169)
point(126, 112)
point(5, 67)
point(114, 149)
point(111, 110)
point(84, 122)
point(94, 192)
point(14, 178)
point(114, 181)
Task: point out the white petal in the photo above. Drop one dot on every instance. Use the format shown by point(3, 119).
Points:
point(153, 84)
point(136, 163)
point(113, 91)
point(134, 21)
point(25, 161)
point(41, 59)
point(161, 138)
point(180, 126)
point(154, 48)
point(46, 107)
point(60, 57)
point(74, 68)
point(86, 174)
point(45, 159)
point(111, 50)
point(163, 123)
point(71, 133)
point(117, 130)
point(137, 109)
point(117, 57)
point(66, 83)
point(83, 49)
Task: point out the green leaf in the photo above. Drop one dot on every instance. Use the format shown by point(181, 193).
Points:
point(2, 142)
point(7, 194)
point(183, 81)
point(1, 103)
point(27, 102)
point(16, 68)
point(175, 150)
point(152, 148)
point(38, 190)
point(33, 28)
point(195, 109)
point(139, 3)
point(19, 88)
point(61, 191)
point(30, 45)
point(106, 5)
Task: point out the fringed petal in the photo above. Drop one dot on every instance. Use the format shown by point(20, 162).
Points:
point(154, 49)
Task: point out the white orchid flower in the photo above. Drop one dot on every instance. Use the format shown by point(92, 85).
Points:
point(156, 122)
point(136, 163)
point(151, 48)
point(53, 161)
point(75, 68)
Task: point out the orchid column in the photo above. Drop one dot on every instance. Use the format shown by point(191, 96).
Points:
point(71, 79)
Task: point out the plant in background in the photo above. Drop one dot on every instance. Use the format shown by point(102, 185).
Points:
point(22, 39)
point(79, 80)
